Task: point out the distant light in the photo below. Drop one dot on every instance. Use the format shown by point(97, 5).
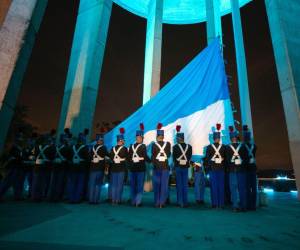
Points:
point(278, 177)
point(268, 190)
point(106, 185)
point(294, 191)
point(207, 176)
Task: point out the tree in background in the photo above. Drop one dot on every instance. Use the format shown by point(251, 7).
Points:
point(20, 123)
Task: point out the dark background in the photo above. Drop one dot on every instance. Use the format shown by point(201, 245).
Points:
point(120, 92)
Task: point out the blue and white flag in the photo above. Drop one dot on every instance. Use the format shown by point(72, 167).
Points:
point(197, 98)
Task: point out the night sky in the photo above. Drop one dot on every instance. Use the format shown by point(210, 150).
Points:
point(120, 91)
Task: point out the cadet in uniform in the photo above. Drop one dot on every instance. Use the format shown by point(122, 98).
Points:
point(44, 155)
point(15, 170)
point(199, 182)
point(182, 154)
point(137, 158)
point(85, 194)
point(119, 157)
point(161, 151)
point(97, 168)
point(51, 141)
point(80, 162)
point(29, 162)
point(235, 153)
point(61, 162)
point(250, 165)
point(67, 180)
point(215, 161)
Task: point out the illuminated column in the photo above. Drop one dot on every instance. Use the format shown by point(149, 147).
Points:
point(4, 6)
point(214, 30)
point(87, 54)
point(17, 37)
point(213, 20)
point(245, 106)
point(284, 28)
point(153, 50)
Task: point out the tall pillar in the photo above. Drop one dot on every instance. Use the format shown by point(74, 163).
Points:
point(17, 37)
point(213, 20)
point(153, 50)
point(4, 6)
point(85, 65)
point(284, 28)
point(245, 106)
point(214, 30)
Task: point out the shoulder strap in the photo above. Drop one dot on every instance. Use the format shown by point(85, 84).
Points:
point(116, 152)
point(95, 151)
point(59, 153)
point(162, 152)
point(161, 148)
point(76, 152)
point(41, 154)
point(183, 152)
point(135, 149)
point(236, 154)
point(217, 152)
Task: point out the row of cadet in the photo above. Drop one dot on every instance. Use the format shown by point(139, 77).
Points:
point(77, 171)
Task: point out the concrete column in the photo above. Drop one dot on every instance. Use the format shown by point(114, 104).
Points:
point(17, 37)
point(213, 20)
point(284, 28)
point(214, 30)
point(245, 106)
point(153, 50)
point(4, 6)
point(87, 54)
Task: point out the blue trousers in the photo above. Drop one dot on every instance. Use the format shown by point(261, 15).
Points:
point(117, 186)
point(68, 185)
point(109, 193)
point(233, 183)
point(160, 186)
point(199, 185)
point(76, 186)
point(217, 187)
point(242, 186)
point(136, 187)
point(28, 175)
point(227, 189)
point(182, 185)
point(48, 175)
point(85, 191)
point(251, 189)
point(14, 179)
point(19, 184)
point(41, 175)
point(237, 182)
point(57, 183)
point(95, 184)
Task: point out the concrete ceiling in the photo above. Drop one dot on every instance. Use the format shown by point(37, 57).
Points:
point(177, 11)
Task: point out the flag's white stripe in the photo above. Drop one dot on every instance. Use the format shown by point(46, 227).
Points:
point(197, 127)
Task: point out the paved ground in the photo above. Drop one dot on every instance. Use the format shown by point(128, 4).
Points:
point(26, 225)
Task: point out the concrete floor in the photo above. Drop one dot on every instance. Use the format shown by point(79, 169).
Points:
point(26, 225)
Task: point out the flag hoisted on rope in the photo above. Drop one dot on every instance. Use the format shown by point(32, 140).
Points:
point(197, 98)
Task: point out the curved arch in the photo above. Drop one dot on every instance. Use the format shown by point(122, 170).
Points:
point(177, 11)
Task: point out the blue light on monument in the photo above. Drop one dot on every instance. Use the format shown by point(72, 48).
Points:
point(282, 177)
point(268, 190)
point(177, 11)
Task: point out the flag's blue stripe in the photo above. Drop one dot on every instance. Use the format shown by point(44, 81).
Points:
point(199, 84)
